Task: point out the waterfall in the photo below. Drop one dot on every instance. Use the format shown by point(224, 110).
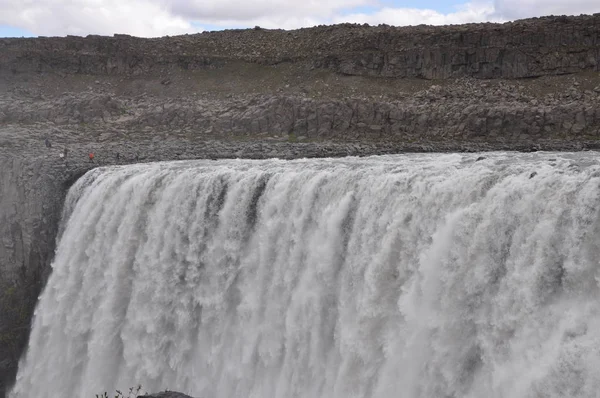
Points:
point(441, 275)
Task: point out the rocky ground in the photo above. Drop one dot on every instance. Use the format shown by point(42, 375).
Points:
point(324, 112)
point(327, 91)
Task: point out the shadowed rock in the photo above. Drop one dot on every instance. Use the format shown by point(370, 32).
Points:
point(165, 394)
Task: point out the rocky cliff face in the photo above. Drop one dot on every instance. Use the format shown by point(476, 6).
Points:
point(30, 204)
point(527, 48)
point(438, 115)
point(325, 91)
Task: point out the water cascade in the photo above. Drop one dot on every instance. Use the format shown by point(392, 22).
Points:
point(394, 276)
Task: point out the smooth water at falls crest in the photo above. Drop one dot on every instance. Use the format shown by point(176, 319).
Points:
point(396, 276)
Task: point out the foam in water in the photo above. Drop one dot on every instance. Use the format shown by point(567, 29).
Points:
point(412, 276)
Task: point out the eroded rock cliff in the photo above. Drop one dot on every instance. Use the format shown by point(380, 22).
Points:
point(325, 91)
point(526, 48)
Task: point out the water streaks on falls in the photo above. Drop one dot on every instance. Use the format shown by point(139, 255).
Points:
point(412, 276)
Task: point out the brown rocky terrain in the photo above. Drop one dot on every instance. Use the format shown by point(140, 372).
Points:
point(325, 91)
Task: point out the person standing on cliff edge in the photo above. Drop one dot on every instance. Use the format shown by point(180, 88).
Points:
point(91, 155)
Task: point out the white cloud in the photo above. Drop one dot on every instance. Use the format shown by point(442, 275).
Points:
point(83, 17)
point(476, 11)
point(515, 9)
point(241, 11)
point(169, 17)
point(471, 12)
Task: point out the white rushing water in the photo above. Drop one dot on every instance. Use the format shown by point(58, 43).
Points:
point(395, 276)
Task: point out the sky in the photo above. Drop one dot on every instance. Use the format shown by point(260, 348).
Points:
point(152, 18)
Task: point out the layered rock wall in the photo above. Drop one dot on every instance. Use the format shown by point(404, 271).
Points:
point(527, 48)
point(432, 117)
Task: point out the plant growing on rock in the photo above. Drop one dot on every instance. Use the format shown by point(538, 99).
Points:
point(133, 393)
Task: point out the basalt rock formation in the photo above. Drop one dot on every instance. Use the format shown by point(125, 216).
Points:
point(324, 91)
point(528, 48)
